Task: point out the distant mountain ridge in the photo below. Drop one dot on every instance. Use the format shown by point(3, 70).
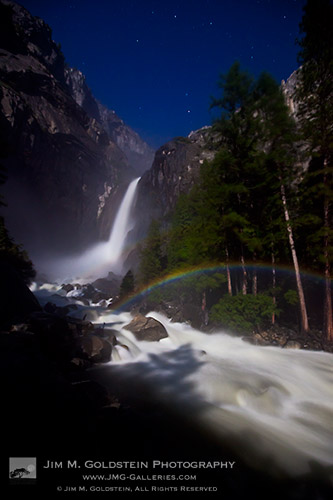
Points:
point(137, 151)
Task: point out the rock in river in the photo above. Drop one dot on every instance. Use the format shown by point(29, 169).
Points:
point(146, 328)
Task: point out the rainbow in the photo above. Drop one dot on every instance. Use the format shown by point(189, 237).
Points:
point(194, 271)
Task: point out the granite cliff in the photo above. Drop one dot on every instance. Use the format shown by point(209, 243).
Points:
point(140, 156)
point(175, 170)
point(63, 166)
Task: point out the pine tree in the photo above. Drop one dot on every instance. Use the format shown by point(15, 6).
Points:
point(315, 112)
point(151, 262)
point(278, 131)
point(127, 284)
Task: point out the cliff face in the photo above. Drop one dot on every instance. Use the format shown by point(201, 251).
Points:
point(138, 153)
point(176, 168)
point(289, 88)
point(62, 166)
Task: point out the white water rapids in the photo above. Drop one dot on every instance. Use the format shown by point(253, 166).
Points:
point(274, 404)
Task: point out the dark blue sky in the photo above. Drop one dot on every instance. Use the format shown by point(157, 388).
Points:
point(156, 63)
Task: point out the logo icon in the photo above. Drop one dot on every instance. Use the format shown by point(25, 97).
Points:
point(22, 470)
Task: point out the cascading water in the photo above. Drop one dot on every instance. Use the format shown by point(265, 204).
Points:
point(122, 224)
point(275, 405)
point(105, 256)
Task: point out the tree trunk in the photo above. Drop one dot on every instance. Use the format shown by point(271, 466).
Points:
point(244, 281)
point(328, 320)
point(304, 316)
point(228, 272)
point(204, 309)
point(254, 278)
point(273, 285)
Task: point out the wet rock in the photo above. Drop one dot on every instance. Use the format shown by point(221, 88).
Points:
point(67, 287)
point(80, 327)
point(80, 364)
point(98, 296)
point(293, 344)
point(256, 339)
point(148, 329)
point(96, 349)
point(88, 291)
point(109, 286)
point(59, 310)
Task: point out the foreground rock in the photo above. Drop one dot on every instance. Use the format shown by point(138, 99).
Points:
point(148, 329)
point(96, 349)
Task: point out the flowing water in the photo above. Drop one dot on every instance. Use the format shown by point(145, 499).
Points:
point(102, 257)
point(274, 404)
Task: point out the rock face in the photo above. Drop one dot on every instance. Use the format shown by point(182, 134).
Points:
point(148, 329)
point(138, 153)
point(62, 164)
point(289, 88)
point(176, 168)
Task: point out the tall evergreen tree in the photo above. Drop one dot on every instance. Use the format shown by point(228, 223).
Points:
point(278, 131)
point(127, 284)
point(315, 111)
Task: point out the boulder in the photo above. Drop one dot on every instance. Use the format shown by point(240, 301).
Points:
point(98, 297)
point(148, 329)
point(79, 326)
point(110, 287)
point(293, 344)
point(96, 349)
point(59, 310)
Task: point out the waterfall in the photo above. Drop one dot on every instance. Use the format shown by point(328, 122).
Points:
point(103, 257)
point(122, 224)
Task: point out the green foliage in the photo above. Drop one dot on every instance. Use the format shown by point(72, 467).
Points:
point(151, 259)
point(291, 297)
point(244, 313)
point(127, 284)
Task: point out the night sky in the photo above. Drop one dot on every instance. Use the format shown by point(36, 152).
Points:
point(156, 63)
